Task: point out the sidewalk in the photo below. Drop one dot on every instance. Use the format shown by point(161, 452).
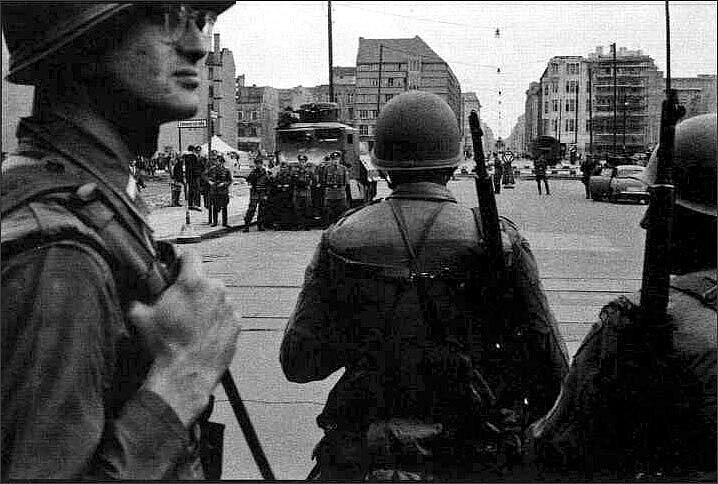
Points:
point(168, 222)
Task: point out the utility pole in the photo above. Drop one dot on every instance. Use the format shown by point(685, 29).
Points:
point(575, 122)
point(590, 112)
point(560, 111)
point(625, 106)
point(331, 59)
point(615, 97)
point(378, 88)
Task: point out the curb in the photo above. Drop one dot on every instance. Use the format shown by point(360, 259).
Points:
point(211, 234)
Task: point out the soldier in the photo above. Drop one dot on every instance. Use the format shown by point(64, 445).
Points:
point(498, 173)
point(282, 197)
point(393, 296)
point(334, 181)
point(193, 174)
point(540, 173)
point(318, 201)
point(95, 383)
point(176, 182)
point(613, 420)
point(218, 179)
point(302, 182)
point(587, 167)
point(258, 180)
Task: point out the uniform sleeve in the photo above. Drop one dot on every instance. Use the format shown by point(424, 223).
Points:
point(311, 348)
point(60, 321)
point(549, 356)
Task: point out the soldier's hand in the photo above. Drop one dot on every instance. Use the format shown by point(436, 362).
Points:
point(192, 331)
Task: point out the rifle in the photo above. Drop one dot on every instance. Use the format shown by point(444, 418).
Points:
point(487, 202)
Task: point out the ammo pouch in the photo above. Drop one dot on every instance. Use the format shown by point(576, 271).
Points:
point(49, 199)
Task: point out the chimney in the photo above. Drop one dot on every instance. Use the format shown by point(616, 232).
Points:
point(216, 43)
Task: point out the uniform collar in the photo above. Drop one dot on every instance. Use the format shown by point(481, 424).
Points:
point(423, 191)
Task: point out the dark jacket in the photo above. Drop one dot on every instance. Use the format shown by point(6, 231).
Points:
point(72, 371)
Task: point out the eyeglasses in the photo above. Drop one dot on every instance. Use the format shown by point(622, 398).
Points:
point(177, 18)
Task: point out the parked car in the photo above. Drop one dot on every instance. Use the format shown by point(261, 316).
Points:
point(622, 182)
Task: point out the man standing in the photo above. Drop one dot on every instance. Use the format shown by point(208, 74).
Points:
point(282, 199)
point(218, 179)
point(258, 180)
point(587, 166)
point(614, 419)
point(393, 295)
point(334, 180)
point(498, 173)
point(176, 181)
point(302, 182)
point(96, 384)
point(540, 172)
point(193, 172)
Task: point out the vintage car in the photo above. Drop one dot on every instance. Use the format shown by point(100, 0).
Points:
point(622, 182)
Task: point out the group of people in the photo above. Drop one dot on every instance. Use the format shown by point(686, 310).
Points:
point(300, 195)
point(202, 177)
point(113, 344)
point(503, 173)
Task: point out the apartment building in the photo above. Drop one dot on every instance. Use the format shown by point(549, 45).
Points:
point(257, 114)
point(532, 112)
point(696, 94)
point(387, 67)
point(344, 93)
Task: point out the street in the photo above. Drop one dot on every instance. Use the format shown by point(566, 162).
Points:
point(588, 253)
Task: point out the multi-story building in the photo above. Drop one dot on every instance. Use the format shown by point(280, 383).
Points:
point(216, 93)
point(627, 105)
point(403, 64)
point(294, 97)
point(469, 102)
point(532, 112)
point(696, 94)
point(516, 141)
point(344, 93)
point(582, 112)
point(257, 114)
point(489, 140)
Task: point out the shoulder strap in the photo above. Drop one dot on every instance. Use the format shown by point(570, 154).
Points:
point(403, 229)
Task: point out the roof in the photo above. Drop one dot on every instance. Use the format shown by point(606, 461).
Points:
point(395, 50)
point(469, 97)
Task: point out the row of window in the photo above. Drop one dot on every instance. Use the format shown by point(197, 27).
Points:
point(413, 65)
point(600, 126)
point(385, 82)
point(249, 115)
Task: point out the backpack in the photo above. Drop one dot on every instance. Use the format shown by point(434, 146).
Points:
point(469, 424)
point(52, 199)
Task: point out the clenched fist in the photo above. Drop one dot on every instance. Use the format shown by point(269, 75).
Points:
point(192, 331)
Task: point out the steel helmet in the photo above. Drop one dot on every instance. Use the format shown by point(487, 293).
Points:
point(695, 164)
point(34, 32)
point(416, 131)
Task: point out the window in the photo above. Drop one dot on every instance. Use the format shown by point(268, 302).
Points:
point(254, 115)
point(554, 86)
point(210, 73)
point(555, 105)
point(374, 82)
point(363, 114)
point(555, 125)
point(545, 89)
point(240, 115)
point(390, 81)
point(211, 92)
point(350, 98)
point(351, 113)
point(588, 104)
point(569, 125)
point(570, 104)
point(350, 139)
point(363, 130)
point(545, 105)
point(588, 125)
point(387, 97)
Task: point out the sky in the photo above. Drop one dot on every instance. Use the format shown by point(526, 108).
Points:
point(285, 44)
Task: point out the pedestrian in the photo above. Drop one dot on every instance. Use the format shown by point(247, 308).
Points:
point(508, 173)
point(258, 180)
point(218, 180)
point(95, 376)
point(540, 172)
point(498, 173)
point(334, 181)
point(587, 167)
point(302, 183)
point(615, 419)
point(392, 296)
point(176, 181)
point(193, 174)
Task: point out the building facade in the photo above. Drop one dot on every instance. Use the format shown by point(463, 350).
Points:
point(344, 93)
point(257, 114)
point(294, 97)
point(387, 67)
point(532, 112)
point(469, 102)
point(217, 89)
point(516, 140)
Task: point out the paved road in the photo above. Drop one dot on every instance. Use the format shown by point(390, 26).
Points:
point(588, 253)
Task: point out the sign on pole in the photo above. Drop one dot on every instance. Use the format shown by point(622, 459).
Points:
point(192, 123)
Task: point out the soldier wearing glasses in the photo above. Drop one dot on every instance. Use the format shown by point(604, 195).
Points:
point(95, 384)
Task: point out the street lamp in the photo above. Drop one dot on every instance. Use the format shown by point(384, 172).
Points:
point(625, 106)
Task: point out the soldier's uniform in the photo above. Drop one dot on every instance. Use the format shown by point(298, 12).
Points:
point(258, 180)
point(615, 419)
point(318, 191)
point(498, 174)
point(393, 295)
point(302, 179)
point(334, 180)
point(282, 205)
point(73, 365)
point(219, 179)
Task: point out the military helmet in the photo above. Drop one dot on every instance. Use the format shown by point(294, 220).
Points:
point(416, 131)
point(35, 32)
point(695, 164)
